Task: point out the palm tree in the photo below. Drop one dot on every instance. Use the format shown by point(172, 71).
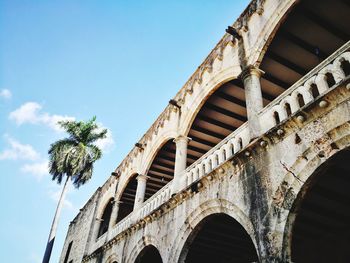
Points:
point(73, 158)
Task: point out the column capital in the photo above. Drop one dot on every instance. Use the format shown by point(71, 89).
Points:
point(142, 177)
point(181, 138)
point(251, 70)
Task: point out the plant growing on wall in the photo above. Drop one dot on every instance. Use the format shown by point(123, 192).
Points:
point(72, 159)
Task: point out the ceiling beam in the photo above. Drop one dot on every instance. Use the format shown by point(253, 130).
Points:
point(285, 62)
point(230, 98)
point(216, 122)
point(168, 166)
point(202, 141)
point(208, 132)
point(225, 111)
point(325, 24)
point(303, 44)
point(196, 149)
point(275, 80)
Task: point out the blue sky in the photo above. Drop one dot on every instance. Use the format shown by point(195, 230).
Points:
point(119, 60)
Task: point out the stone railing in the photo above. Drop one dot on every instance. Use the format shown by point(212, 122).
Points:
point(204, 165)
point(315, 83)
point(298, 95)
point(219, 154)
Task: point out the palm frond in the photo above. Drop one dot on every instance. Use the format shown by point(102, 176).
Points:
point(74, 156)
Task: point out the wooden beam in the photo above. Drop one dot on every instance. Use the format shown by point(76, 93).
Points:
point(325, 24)
point(196, 149)
point(303, 44)
point(285, 62)
point(230, 98)
point(157, 162)
point(275, 80)
point(225, 111)
point(202, 141)
point(208, 132)
point(216, 122)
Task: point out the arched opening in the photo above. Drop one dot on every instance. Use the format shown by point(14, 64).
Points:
point(127, 199)
point(330, 80)
point(161, 170)
point(321, 230)
point(218, 238)
point(345, 66)
point(301, 101)
point(311, 32)
point(106, 216)
point(314, 91)
point(149, 255)
point(222, 113)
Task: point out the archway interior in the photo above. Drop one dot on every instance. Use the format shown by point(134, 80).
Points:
point(219, 238)
point(161, 170)
point(105, 218)
point(311, 32)
point(126, 202)
point(149, 255)
point(321, 231)
point(222, 113)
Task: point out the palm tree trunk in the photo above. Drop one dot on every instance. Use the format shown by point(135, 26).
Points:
point(52, 235)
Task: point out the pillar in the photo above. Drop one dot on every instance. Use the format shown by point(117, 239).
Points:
point(180, 160)
point(253, 97)
point(140, 191)
point(114, 214)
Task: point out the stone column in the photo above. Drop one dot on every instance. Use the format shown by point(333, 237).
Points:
point(180, 160)
point(114, 214)
point(253, 97)
point(140, 191)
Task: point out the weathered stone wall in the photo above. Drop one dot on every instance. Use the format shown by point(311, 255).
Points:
point(257, 187)
point(79, 231)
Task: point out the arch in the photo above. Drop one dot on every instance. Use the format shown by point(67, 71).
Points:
point(144, 242)
point(160, 170)
point(211, 207)
point(319, 217)
point(216, 115)
point(218, 238)
point(298, 185)
point(112, 259)
point(105, 218)
point(126, 198)
point(303, 34)
point(149, 254)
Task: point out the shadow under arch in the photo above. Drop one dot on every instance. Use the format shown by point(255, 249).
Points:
point(140, 250)
point(304, 34)
point(160, 169)
point(216, 112)
point(126, 198)
point(105, 217)
point(318, 221)
point(112, 259)
point(204, 210)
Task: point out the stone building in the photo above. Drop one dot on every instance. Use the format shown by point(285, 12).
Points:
point(249, 162)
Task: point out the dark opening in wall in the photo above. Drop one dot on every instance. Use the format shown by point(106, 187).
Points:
point(301, 100)
point(68, 252)
point(106, 218)
point(314, 91)
point(345, 65)
point(330, 80)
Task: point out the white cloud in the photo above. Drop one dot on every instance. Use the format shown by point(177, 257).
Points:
point(34, 258)
point(6, 94)
point(30, 112)
point(16, 151)
point(38, 170)
point(106, 143)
